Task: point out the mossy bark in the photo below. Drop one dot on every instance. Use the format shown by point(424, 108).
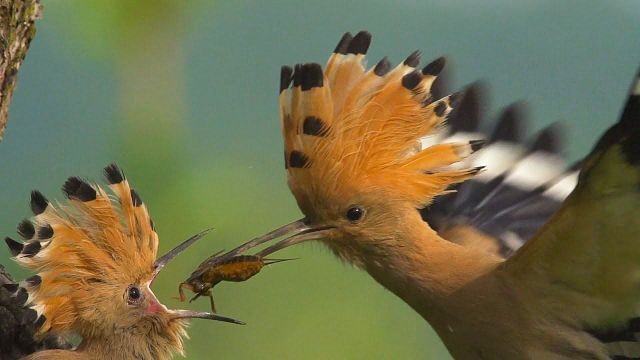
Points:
point(17, 29)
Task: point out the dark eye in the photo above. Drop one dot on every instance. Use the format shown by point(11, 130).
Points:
point(133, 295)
point(355, 213)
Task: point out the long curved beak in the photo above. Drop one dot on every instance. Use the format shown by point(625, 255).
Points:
point(297, 232)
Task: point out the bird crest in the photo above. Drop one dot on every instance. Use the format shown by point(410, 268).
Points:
point(84, 249)
point(95, 258)
point(348, 127)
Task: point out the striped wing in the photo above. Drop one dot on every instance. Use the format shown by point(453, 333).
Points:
point(523, 185)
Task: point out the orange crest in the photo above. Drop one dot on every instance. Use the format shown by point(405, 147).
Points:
point(86, 251)
point(349, 127)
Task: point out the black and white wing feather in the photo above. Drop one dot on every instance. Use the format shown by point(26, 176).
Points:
point(523, 184)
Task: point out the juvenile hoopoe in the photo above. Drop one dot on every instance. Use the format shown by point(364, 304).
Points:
point(357, 169)
point(95, 256)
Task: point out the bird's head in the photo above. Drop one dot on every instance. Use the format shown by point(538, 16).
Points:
point(95, 256)
point(353, 152)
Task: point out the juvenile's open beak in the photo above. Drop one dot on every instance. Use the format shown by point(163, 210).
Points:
point(186, 314)
point(298, 231)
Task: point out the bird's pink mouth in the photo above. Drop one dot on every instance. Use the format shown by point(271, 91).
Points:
point(155, 307)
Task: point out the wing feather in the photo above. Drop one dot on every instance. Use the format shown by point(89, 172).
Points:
point(588, 254)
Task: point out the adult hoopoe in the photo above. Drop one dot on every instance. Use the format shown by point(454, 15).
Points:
point(357, 169)
point(96, 260)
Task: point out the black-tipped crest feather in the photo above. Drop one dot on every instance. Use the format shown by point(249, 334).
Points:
point(15, 247)
point(26, 229)
point(135, 198)
point(413, 59)
point(311, 76)
point(78, 189)
point(382, 67)
point(38, 202)
point(31, 248)
point(411, 80)
point(113, 174)
point(343, 44)
point(360, 43)
point(435, 67)
point(45, 232)
point(286, 76)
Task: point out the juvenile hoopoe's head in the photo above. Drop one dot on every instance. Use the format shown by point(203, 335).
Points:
point(352, 145)
point(95, 255)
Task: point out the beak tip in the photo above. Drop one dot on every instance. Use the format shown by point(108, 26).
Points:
point(228, 320)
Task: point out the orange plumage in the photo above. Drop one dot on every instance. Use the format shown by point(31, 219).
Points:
point(90, 246)
point(351, 128)
point(95, 255)
point(360, 177)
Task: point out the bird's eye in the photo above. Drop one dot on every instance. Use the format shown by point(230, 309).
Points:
point(133, 295)
point(355, 213)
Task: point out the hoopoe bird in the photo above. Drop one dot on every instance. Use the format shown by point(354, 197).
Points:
point(360, 170)
point(95, 258)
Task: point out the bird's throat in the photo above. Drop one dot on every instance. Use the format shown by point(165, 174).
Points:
point(428, 272)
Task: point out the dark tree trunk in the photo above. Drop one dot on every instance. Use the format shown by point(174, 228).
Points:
point(17, 29)
point(18, 322)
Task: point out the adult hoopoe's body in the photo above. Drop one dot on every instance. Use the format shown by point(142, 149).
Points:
point(359, 174)
point(96, 259)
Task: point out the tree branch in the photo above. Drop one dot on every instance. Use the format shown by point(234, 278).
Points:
point(17, 29)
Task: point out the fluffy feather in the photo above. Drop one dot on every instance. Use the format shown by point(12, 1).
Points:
point(352, 126)
point(87, 252)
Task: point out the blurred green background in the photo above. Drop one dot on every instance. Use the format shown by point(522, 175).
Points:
point(183, 95)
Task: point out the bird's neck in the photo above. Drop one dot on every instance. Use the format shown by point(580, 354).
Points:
point(428, 272)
